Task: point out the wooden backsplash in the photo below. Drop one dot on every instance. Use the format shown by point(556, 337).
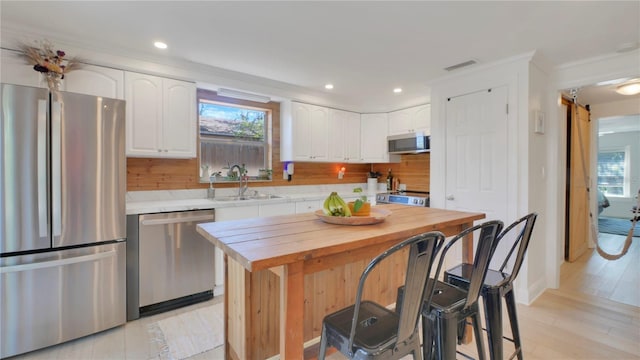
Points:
point(172, 174)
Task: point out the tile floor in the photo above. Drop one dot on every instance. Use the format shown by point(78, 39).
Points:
point(131, 341)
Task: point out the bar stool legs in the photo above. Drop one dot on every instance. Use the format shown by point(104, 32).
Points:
point(493, 318)
point(509, 298)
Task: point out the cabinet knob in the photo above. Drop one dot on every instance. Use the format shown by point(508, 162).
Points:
point(159, 150)
point(450, 197)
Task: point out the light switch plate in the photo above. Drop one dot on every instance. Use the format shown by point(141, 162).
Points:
point(538, 126)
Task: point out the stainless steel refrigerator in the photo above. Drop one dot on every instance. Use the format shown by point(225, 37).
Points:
point(62, 220)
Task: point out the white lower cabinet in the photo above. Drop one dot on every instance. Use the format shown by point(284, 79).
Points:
point(276, 209)
point(227, 214)
point(308, 206)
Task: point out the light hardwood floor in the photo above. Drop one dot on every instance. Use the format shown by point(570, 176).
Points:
point(595, 314)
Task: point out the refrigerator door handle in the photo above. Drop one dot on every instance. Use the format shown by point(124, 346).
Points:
point(43, 217)
point(56, 168)
point(177, 220)
point(57, 263)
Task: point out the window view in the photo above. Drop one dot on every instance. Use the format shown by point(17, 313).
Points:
point(612, 172)
point(232, 134)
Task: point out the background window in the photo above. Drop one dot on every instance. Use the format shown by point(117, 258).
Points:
point(613, 171)
point(232, 134)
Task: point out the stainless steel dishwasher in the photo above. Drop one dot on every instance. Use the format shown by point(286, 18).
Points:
point(169, 264)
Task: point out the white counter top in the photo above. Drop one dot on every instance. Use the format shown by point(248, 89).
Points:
point(145, 202)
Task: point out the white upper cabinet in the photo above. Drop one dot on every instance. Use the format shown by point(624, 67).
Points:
point(96, 81)
point(373, 139)
point(161, 117)
point(414, 119)
point(310, 125)
point(16, 70)
point(344, 138)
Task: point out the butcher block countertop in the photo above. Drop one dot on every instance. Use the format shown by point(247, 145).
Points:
point(262, 243)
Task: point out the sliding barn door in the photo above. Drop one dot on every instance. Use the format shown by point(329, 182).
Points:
point(578, 167)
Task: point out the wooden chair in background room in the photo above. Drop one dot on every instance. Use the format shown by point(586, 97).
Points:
point(447, 307)
point(367, 330)
point(498, 284)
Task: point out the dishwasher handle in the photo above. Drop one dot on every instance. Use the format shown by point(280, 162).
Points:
point(177, 220)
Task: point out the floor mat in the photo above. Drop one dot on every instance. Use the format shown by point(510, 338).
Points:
point(194, 332)
point(617, 226)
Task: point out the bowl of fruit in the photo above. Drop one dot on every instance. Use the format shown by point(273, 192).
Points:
point(336, 211)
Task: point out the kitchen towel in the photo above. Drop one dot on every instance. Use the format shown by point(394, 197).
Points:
point(193, 332)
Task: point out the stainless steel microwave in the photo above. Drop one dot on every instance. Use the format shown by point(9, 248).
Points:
point(411, 143)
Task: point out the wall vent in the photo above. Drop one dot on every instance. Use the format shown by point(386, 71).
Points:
point(461, 65)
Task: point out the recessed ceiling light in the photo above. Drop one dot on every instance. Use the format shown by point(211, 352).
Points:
point(397, 90)
point(160, 45)
point(328, 86)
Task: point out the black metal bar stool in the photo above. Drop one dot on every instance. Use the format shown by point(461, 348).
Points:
point(367, 330)
point(498, 284)
point(447, 307)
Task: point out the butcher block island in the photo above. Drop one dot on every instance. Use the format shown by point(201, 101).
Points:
point(283, 274)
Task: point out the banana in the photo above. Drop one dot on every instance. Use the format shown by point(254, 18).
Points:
point(345, 208)
point(325, 206)
point(334, 205)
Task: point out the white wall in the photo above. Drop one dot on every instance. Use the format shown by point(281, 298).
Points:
point(527, 152)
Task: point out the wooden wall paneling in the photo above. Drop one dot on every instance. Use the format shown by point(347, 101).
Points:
point(173, 174)
point(412, 170)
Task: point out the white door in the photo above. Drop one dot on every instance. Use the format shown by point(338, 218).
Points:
point(476, 157)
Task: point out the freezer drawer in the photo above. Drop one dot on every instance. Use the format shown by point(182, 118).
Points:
point(53, 297)
point(174, 260)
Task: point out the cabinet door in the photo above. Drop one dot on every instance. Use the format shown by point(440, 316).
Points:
point(277, 209)
point(374, 138)
point(400, 122)
point(226, 214)
point(308, 206)
point(338, 139)
point(352, 141)
point(421, 118)
point(319, 135)
point(301, 123)
point(96, 81)
point(143, 94)
point(16, 70)
point(310, 132)
point(179, 125)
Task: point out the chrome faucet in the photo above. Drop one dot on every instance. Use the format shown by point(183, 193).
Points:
point(241, 175)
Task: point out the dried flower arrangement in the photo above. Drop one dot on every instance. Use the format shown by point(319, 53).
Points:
point(52, 64)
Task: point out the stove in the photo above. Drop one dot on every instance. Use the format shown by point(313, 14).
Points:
point(412, 198)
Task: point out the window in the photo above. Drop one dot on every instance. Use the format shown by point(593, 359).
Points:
point(613, 171)
point(233, 134)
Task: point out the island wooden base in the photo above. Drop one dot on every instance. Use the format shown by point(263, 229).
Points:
point(256, 335)
point(283, 274)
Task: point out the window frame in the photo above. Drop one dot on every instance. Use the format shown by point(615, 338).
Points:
point(626, 182)
point(212, 97)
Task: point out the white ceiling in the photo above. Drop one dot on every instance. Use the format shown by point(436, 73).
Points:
point(365, 48)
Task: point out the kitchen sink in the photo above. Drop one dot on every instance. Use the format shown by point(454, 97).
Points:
point(248, 197)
